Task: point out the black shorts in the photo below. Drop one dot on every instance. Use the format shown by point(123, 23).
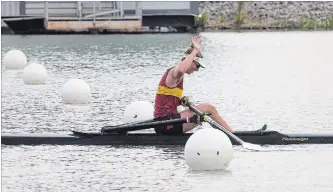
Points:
point(169, 129)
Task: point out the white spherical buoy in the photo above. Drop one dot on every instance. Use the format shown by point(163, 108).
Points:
point(15, 59)
point(138, 111)
point(208, 149)
point(34, 74)
point(76, 91)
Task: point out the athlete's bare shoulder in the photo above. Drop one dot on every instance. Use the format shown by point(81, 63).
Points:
point(174, 77)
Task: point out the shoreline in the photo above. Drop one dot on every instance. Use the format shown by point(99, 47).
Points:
point(257, 29)
point(241, 29)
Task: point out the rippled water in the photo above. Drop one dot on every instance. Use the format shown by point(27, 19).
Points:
point(282, 79)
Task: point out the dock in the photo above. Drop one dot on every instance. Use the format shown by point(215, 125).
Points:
point(98, 17)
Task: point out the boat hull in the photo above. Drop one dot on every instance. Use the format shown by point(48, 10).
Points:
point(262, 138)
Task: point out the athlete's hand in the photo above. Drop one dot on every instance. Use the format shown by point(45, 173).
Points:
point(196, 43)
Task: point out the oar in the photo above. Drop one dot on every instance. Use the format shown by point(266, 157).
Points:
point(147, 125)
point(131, 123)
point(216, 125)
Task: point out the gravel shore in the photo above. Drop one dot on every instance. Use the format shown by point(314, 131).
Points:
point(218, 15)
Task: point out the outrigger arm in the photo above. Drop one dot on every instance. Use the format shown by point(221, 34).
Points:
point(186, 103)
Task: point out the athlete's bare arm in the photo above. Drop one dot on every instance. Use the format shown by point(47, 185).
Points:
point(176, 74)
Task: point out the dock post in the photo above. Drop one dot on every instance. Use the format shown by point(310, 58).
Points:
point(46, 14)
point(79, 9)
point(94, 13)
point(121, 9)
point(138, 8)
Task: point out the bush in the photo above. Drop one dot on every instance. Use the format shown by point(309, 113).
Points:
point(307, 23)
point(221, 20)
point(240, 16)
point(329, 22)
point(203, 20)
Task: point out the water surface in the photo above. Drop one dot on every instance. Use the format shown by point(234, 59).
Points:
point(279, 79)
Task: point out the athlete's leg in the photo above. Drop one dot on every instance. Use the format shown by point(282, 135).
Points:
point(205, 108)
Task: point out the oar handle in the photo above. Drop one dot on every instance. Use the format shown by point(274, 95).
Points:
point(184, 101)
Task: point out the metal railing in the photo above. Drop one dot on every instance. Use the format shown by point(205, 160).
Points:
point(87, 10)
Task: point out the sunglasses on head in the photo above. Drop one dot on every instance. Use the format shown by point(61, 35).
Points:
point(197, 64)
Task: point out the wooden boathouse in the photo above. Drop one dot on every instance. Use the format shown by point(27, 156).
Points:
point(58, 17)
